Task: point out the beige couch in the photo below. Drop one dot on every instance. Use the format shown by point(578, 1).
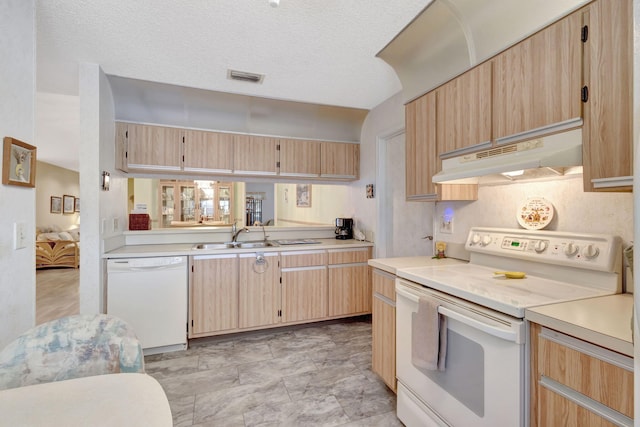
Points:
point(58, 249)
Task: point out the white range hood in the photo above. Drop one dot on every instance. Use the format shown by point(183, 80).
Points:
point(550, 156)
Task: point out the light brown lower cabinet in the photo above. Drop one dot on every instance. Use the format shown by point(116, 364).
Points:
point(259, 289)
point(213, 294)
point(349, 282)
point(578, 384)
point(304, 286)
point(245, 291)
point(383, 325)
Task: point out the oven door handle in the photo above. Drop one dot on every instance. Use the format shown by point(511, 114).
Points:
point(507, 335)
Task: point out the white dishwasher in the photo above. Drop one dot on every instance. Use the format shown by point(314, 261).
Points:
point(150, 294)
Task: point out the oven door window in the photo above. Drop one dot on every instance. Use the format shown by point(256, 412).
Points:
point(464, 375)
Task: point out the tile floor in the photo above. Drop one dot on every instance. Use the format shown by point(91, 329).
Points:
point(316, 375)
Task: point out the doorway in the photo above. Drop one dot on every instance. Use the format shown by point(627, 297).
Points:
point(405, 227)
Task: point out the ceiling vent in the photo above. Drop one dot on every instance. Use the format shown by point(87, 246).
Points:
point(245, 76)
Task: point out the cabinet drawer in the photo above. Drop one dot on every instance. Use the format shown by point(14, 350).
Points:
point(348, 256)
point(590, 370)
point(384, 284)
point(303, 259)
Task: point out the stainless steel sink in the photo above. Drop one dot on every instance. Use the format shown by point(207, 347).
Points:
point(212, 246)
point(249, 245)
point(233, 245)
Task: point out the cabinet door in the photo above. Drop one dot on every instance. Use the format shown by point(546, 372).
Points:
point(340, 160)
point(304, 285)
point(224, 202)
point(259, 289)
point(154, 147)
point(254, 155)
point(304, 293)
point(121, 146)
point(536, 83)
point(167, 204)
point(608, 125)
point(349, 289)
point(186, 199)
point(576, 383)
point(420, 145)
point(299, 158)
point(463, 109)
point(213, 296)
point(208, 151)
point(383, 325)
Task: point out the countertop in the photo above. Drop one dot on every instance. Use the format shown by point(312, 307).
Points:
point(391, 265)
point(178, 249)
point(604, 321)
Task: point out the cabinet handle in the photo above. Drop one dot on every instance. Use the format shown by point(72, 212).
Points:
point(584, 34)
point(584, 93)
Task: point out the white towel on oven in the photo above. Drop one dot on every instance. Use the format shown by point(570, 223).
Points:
point(428, 336)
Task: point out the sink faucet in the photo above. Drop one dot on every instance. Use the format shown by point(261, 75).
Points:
point(234, 233)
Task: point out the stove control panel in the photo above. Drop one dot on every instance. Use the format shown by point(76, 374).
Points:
point(581, 250)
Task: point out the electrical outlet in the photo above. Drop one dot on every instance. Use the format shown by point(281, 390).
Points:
point(446, 224)
point(103, 226)
point(19, 235)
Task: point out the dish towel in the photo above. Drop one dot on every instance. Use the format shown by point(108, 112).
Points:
point(428, 336)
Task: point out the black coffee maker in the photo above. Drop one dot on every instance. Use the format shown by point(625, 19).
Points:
point(344, 228)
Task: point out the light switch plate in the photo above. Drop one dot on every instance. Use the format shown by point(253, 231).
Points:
point(446, 224)
point(19, 235)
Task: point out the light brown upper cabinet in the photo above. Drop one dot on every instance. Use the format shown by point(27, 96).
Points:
point(255, 155)
point(339, 160)
point(153, 147)
point(422, 161)
point(121, 146)
point(463, 110)
point(299, 158)
point(420, 148)
point(537, 83)
point(207, 151)
point(608, 126)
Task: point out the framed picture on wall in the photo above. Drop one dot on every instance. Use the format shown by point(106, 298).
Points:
point(76, 204)
point(56, 204)
point(68, 203)
point(303, 195)
point(18, 163)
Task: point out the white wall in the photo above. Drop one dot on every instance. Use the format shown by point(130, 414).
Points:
point(328, 202)
point(17, 86)
point(103, 212)
point(575, 210)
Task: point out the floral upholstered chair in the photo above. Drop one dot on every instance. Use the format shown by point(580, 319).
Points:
point(70, 347)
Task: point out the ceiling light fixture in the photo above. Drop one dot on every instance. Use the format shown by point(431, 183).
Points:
point(274, 3)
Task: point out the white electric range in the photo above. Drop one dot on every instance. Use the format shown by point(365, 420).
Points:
point(485, 380)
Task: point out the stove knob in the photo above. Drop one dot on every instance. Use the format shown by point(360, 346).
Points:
point(475, 239)
point(571, 249)
point(485, 240)
point(541, 246)
point(591, 251)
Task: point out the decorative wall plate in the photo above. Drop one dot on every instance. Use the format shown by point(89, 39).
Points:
point(535, 213)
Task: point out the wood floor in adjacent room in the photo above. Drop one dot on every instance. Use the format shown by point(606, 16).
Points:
point(57, 293)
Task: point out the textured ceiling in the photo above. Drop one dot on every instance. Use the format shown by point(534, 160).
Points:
point(311, 51)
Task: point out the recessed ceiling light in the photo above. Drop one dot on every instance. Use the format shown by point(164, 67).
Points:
point(245, 76)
